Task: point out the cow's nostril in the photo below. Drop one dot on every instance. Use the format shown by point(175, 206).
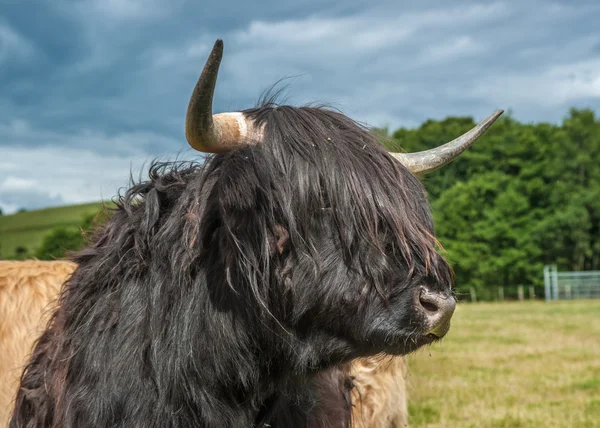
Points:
point(427, 305)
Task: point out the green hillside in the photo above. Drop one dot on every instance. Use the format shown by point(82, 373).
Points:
point(27, 229)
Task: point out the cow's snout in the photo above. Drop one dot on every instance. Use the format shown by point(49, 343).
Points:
point(438, 308)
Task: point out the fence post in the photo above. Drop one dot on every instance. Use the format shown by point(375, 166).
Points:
point(473, 295)
point(501, 293)
point(547, 291)
point(520, 293)
point(555, 281)
point(531, 292)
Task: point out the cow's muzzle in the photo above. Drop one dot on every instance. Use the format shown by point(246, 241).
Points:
point(438, 308)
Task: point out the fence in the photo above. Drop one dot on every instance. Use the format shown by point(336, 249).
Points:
point(571, 285)
point(492, 293)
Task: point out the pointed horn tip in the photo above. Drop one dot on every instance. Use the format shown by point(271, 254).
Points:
point(497, 113)
point(217, 50)
point(488, 121)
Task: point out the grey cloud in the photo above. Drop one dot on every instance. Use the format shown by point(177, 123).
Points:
point(55, 175)
point(12, 201)
point(108, 81)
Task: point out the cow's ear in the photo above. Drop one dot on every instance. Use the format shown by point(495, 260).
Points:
point(279, 240)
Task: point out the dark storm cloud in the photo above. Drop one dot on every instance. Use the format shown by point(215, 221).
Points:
point(109, 80)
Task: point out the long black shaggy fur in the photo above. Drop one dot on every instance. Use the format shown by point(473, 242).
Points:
point(226, 294)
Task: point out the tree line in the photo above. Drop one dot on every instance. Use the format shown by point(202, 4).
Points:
point(523, 196)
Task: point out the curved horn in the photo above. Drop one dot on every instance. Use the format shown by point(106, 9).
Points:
point(430, 160)
point(204, 131)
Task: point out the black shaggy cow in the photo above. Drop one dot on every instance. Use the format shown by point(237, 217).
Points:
point(227, 294)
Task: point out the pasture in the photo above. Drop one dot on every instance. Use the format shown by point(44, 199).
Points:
point(27, 229)
point(512, 365)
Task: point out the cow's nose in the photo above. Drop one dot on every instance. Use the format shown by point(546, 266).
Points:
point(438, 308)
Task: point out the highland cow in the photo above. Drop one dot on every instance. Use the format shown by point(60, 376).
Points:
point(230, 293)
point(29, 288)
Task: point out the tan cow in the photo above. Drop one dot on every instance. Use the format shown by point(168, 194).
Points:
point(28, 290)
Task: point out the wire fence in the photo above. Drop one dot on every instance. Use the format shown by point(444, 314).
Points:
point(557, 286)
point(570, 285)
point(500, 293)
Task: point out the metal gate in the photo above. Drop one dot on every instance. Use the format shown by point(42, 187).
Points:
point(571, 285)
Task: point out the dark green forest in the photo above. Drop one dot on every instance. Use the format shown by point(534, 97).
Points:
point(523, 196)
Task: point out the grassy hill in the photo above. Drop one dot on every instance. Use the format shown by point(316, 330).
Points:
point(28, 229)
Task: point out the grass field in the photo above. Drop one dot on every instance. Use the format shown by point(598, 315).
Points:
point(527, 364)
point(29, 228)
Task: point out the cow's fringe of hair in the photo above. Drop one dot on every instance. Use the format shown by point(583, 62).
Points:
point(163, 321)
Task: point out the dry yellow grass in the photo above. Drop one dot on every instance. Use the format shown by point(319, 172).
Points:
point(511, 365)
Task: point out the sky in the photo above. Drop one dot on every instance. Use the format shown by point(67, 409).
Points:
point(91, 91)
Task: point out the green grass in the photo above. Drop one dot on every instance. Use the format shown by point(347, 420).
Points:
point(27, 229)
point(527, 364)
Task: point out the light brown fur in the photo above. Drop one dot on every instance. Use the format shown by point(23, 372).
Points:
point(28, 290)
point(379, 397)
